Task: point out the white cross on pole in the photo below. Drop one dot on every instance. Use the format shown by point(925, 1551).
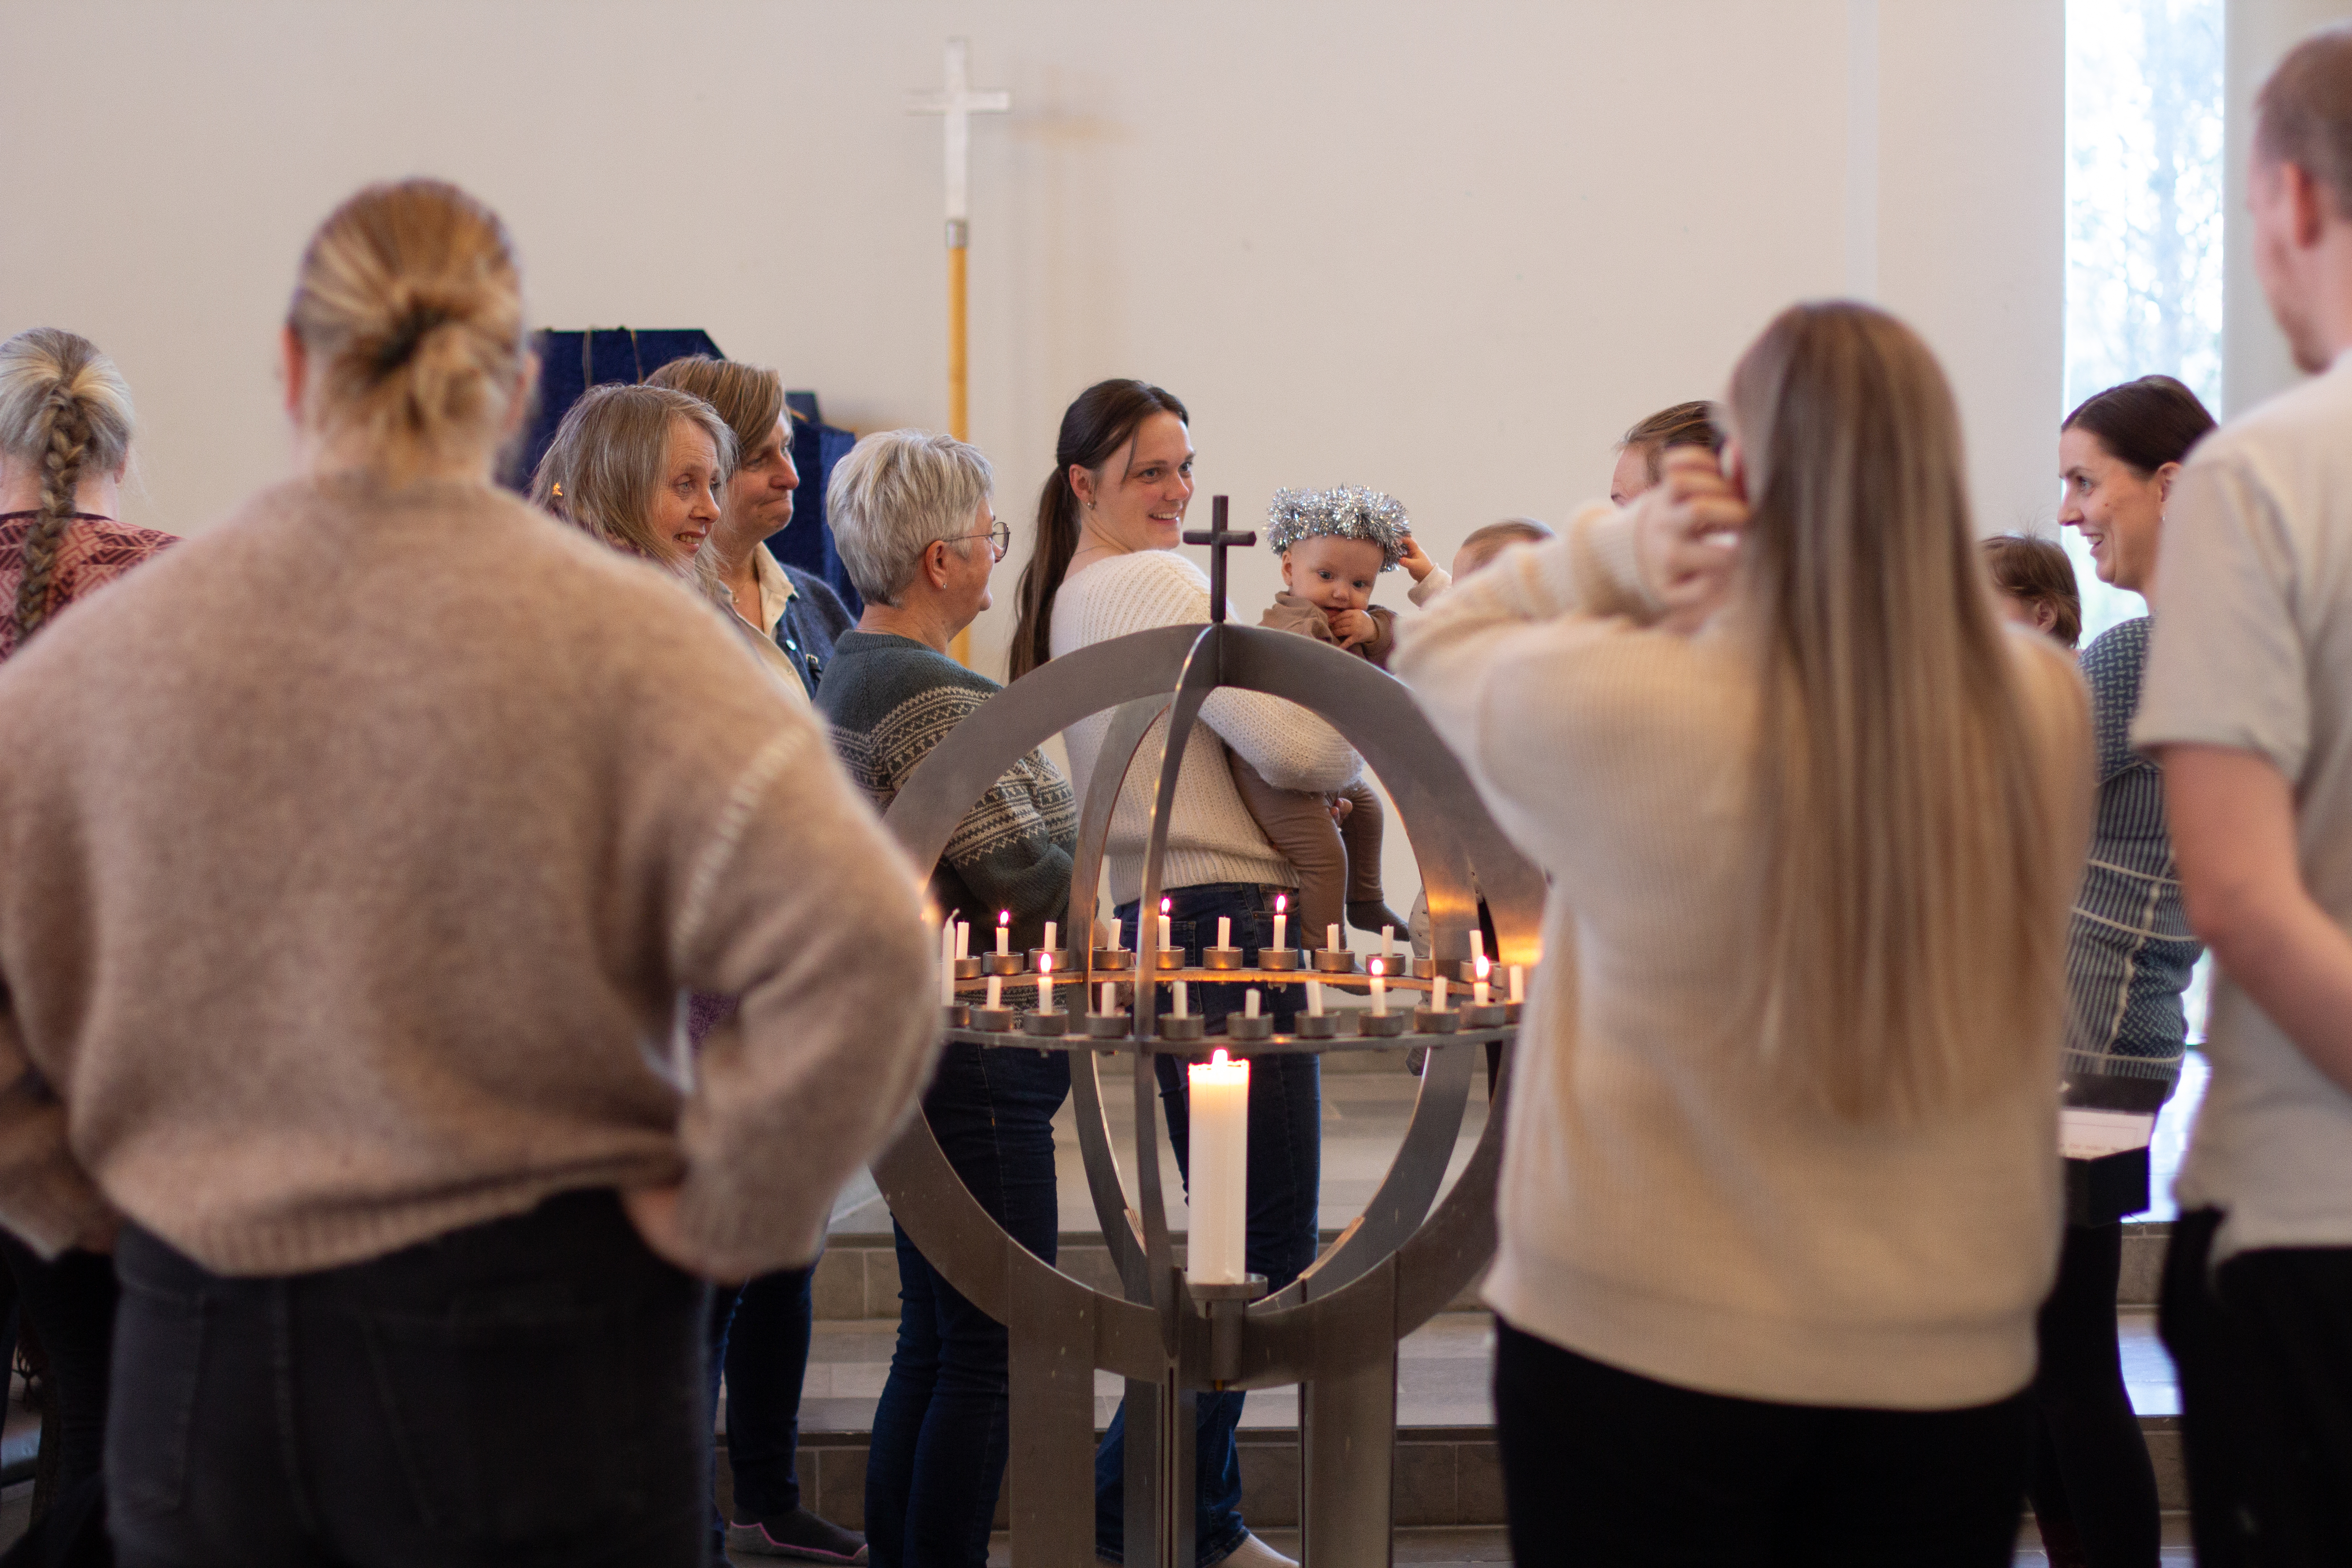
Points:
point(956, 104)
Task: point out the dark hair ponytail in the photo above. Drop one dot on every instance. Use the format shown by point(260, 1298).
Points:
point(2147, 423)
point(1104, 418)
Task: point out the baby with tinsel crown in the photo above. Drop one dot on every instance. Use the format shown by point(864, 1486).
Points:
point(1333, 545)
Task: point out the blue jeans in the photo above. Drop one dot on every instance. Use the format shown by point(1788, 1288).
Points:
point(760, 1335)
point(940, 1432)
point(1286, 1173)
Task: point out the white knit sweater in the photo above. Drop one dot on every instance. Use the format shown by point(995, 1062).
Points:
point(1211, 837)
point(1662, 1210)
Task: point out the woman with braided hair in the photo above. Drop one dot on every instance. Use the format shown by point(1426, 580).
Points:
point(65, 437)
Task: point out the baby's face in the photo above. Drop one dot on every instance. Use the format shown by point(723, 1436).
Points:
point(1332, 574)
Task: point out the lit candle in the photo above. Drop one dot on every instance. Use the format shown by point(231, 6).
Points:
point(1225, 931)
point(1005, 931)
point(1281, 919)
point(1219, 1112)
point(1379, 988)
point(1517, 977)
point(1165, 940)
point(1108, 993)
point(1052, 930)
point(1315, 998)
point(995, 993)
point(1180, 998)
point(963, 938)
point(1249, 1002)
point(1045, 981)
point(1331, 939)
point(1479, 991)
point(1437, 994)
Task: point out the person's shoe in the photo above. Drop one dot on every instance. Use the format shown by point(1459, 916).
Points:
point(1255, 1553)
point(1371, 915)
point(798, 1534)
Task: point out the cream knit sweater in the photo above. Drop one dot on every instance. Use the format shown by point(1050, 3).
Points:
point(353, 855)
point(1661, 1210)
point(1211, 837)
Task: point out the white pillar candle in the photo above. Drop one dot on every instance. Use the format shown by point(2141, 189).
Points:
point(1218, 1114)
point(1517, 978)
point(1114, 936)
point(1479, 991)
point(1179, 999)
point(1388, 943)
point(1052, 930)
point(963, 938)
point(1249, 1002)
point(1225, 931)
point(995, 993)
point(1045, 981)
point(1331, 939)
point(1281, 919)
point(1165, 940)
point(947, 966)
point(1315, 998)
point(1005, 931)
point(1379, 988)
point(1110, 992)
point(1437, 994)
point(1477, 946)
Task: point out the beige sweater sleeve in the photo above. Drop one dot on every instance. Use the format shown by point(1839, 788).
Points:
point(803, 905)
point(50, 1200)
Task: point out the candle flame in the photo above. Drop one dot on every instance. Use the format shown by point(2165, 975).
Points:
point(1163, 906)
point(1044, 964)
point(1379, 968)
point(1005, 917)
point(1482, 966)
point(1218, 1059)
point(1281, 903)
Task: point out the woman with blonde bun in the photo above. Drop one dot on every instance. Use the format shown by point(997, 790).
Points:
point(348, 910)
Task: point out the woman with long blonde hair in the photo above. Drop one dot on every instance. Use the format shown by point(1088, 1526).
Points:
point(1781, 1194)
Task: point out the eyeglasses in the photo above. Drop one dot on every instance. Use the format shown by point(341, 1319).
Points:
point(999, 537)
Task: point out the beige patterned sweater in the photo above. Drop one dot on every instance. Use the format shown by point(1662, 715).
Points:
point(353, 855)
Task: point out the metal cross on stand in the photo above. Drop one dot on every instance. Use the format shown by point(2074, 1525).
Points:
point(1219, 539)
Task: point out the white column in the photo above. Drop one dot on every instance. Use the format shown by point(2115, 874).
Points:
point(2255, 359)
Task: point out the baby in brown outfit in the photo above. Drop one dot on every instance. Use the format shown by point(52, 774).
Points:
point(1333, 543)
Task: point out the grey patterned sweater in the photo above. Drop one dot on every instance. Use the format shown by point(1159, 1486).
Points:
point(891, 699)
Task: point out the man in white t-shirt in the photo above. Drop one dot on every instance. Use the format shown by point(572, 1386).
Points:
point(2248, 706)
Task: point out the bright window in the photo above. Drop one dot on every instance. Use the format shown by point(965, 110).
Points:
point(2143, 215)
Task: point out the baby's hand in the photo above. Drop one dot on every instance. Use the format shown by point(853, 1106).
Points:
point(1352, 626)
point(1341, 809)
point(1416, 560)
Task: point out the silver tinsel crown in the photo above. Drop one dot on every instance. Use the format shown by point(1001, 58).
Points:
point(1341, 513)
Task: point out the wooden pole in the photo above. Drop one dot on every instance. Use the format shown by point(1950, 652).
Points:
point(959, 393)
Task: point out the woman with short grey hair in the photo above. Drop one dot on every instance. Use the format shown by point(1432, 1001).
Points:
point(911, 515)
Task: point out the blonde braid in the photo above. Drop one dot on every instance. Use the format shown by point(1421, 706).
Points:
point(62, 465)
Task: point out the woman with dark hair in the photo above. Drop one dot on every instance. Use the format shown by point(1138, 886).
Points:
point(1105, 565)
point(1779, 1191)
point(2130, 952)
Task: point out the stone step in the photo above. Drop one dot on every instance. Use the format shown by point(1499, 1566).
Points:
point(1446, 1473)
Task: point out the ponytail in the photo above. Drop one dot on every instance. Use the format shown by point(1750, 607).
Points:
point(64, 407)
point(1105, 417)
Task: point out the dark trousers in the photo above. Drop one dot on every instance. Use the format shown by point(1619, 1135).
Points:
point(1284, 1181)
point(524, 1390)
point(940, 1430)
point(760, 1334)
point(2263, 1348)
point(1606, 1468)
point(2092, 1487)
point(70, 1301)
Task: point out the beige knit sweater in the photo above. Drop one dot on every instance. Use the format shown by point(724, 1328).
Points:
point(353, 855)
point(1661, 1210)
point(1211, 837)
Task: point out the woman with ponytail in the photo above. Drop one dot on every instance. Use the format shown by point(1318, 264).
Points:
point(347, 906)
point(65, 441)
point(1779, 1196)
point(1105, 565)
